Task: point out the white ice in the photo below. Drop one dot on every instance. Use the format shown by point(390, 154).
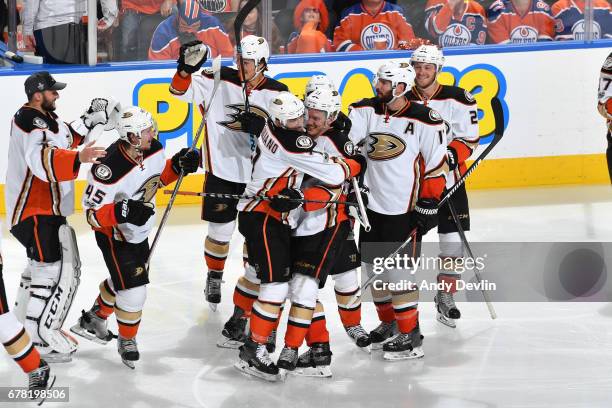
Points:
point(533, 355)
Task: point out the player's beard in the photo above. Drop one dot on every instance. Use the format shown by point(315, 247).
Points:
point(384, 98)
point(48, 104)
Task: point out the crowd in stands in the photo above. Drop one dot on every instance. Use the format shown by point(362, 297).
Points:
point(154, 29)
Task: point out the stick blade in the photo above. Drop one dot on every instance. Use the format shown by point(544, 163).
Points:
point(242, 14)
point(498, 114)
point(216, 67)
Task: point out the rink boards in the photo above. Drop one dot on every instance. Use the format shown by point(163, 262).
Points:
point(553, 133)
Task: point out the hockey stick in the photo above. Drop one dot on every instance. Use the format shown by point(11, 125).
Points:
point(257, 197)
point(216, 67)
point(464, 240)
point(363, 216)
point(498, 113)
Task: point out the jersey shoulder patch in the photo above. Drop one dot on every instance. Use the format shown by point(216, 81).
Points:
point(114, 166)
point(291, 140)
point(424, 114)
point(456, 93)
point(29, 119)
point(341, 141)
point(607, 66)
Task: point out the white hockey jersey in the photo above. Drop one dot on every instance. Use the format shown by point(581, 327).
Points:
point(119, 177)
point(604, 94)
point(406, 152)
point(281, 160)
point(226, 150)
point(312, 221)
point(460, 114)
point(41, 166)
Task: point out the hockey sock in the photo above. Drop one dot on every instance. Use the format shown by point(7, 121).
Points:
point(215, 254)
point(128, 322)
point(405, 310)
point(263, 320)
point(245, 294)
point(300, 317)
point(105, 300)
point(317, 332)
point(17, 343)
point(350, 316)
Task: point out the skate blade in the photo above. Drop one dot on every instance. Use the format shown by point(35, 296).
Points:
point(416, 352)
point(228, 343)
point(213, 306)
point(446, 321)
point(129, 363)
point(319, 372)
point(366, 349)
point(244, 367)
point(79, 331)
point(50, 383)
point(54, 358)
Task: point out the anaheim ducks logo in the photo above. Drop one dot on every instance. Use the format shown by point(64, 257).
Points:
point(385, 146)
point(148, 189)
point(237, 109)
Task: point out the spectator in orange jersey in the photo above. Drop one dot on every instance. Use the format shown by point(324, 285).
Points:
point(570, 22)
point(310, 19)
point(520, 22)
point(372, 24)
point(456, 22)
point(139, 18)
point(190, 24)
point(252, 25)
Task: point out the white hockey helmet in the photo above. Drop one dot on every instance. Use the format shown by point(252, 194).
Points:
point(396, 73)
point(255, 48)
point(428, 54)
point(134, 120)
point(284, 107)
point(326, 100)
point(319, 81)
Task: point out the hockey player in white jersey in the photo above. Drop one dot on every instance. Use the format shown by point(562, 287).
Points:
point(119, 203)
point(604, 104)
point(226, 152)
point(19, 346)
point(284, 154)
point(460, 113)
point(42, 165)
point(405, 144)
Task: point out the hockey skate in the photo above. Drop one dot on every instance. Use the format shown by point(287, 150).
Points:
point(315, 362)
point(128, 350)
point(447, 310)
point(92, 327)
point(288, 359)
point(404, 346)
point(233, 334)
point(382, 333)
point(40, 379)
point(254, 360)
point(360, 337)
point(212, 291)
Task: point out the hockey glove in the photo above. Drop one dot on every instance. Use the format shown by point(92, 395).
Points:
point(133, 212)
point(424, 216)
point(342, 124)
point(192, 56)
point(453, 159)
point(251, 123)
point(99, 112)
point(186, 161)
point(281, 202)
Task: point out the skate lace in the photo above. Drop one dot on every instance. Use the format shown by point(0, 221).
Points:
point(356, 332)
point(214, 285)
point(447, 300)
point(129, 345)
point(36, 378)
point(263, 356)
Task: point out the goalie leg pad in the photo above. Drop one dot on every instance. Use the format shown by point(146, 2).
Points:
point(52, 291)
point(23, 295)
